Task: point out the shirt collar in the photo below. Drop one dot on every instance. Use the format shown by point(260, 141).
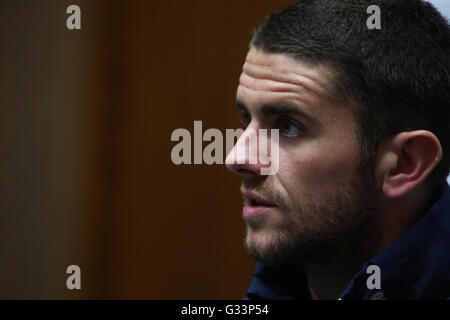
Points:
point(278, 282)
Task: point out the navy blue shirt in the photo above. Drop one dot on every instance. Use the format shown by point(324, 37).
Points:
point(415, 266)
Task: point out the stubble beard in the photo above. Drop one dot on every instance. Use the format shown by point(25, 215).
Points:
point(317, 226)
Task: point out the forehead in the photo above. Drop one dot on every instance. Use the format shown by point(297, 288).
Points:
point(284, 76)
point(277, 79)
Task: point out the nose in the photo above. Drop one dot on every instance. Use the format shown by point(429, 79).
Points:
point(244, 159)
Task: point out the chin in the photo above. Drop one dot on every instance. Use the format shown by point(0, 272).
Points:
point(263, 246)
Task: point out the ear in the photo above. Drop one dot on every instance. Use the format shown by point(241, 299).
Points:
point(405, 160)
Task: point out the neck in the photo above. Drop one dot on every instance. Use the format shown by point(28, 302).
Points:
point(330, 271)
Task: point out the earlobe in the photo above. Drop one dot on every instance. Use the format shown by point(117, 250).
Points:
point(408, 159)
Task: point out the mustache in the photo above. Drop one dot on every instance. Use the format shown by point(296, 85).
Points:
point(259, 188)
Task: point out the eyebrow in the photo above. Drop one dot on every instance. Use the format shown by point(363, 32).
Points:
point(278, 109)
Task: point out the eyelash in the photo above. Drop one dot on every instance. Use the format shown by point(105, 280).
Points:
point(283, 120)
point(246, 119)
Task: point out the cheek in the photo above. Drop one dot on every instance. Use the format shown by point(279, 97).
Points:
point(317, 168)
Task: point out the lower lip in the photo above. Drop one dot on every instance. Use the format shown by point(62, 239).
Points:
point(250, 211)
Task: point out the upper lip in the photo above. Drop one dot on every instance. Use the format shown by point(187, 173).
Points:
point(252, 197)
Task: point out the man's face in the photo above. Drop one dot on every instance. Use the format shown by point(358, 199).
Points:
point(319, 197)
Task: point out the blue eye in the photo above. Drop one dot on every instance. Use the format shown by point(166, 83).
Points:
point(289, 128)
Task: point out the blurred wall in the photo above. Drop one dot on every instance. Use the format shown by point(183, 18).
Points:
point(45, 150)
point(85, 123)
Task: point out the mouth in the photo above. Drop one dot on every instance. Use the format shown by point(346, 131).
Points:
point(255, 204)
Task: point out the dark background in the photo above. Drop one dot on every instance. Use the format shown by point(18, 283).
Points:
point(85, 123)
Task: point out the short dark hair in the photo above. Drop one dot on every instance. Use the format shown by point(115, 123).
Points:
point(396, 77)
